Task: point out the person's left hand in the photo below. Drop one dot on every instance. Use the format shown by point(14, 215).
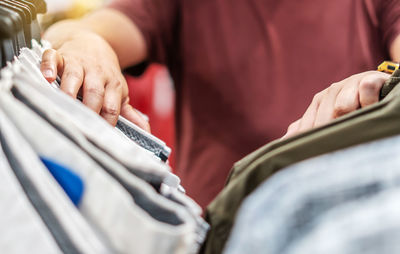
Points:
point(340, 98)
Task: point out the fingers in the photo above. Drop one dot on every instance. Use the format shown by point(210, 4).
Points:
point(308, 119)
point(370, 87)
point(326, 107)
point(52, 63)
point(72, 78)
point(112, 103)
point(357, 91)
point(93, 91)
point(132, 115)
point(346, 101)
point(292, 129)
point(103, 90)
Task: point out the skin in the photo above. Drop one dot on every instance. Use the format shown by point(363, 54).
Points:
point(90, 52)
point(340, 98)
point(88, 57)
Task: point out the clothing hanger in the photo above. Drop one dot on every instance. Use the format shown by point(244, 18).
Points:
point(24, 14)
point(41, 6)
point(29, 17)
point(35, 28)
point(6, 29)
point(19, 34)
point(19, 26)
point(10, 24)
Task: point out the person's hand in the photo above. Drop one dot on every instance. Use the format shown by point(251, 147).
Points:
point(88, 66)
point(340, 98)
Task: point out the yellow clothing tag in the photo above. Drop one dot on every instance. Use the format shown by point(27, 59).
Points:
point(388, 67)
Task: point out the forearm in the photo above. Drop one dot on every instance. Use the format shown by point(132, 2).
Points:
point(115, 28)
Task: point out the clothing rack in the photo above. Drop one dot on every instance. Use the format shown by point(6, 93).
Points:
point(19, 25)
point(81, 185)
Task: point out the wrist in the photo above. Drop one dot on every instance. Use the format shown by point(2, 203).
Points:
point(65, 31)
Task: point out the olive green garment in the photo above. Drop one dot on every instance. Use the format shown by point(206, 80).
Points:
point(370, 123)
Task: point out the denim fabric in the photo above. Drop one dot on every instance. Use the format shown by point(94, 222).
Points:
point(292, 205)
point(366, 226)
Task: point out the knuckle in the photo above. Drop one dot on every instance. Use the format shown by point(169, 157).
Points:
point(293, 125)
point(69, 92)
point(334, 85)
point(94, 90)
point(48, 53)
point(340, 110)
point(72, 73)
point(317, 96)
point(48, 58)
point(97, 68)
point(46, 64)
point(116, 83)
point(369, 84)
point(111, 109)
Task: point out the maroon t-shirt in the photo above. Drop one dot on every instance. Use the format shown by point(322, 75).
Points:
point(245, 69)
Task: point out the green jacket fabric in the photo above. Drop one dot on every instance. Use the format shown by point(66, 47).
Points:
point(370, 123)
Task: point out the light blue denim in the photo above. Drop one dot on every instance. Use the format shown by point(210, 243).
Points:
point(289, 213)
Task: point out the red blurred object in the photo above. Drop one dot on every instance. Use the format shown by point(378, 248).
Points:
point(153, 94)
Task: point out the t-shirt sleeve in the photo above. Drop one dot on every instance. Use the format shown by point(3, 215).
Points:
point(389, 20)
point(157, 20)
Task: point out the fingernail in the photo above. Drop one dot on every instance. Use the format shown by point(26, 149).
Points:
point(48, 73)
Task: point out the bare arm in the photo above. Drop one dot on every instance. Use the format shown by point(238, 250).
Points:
point(114, 27)
point(88, 55)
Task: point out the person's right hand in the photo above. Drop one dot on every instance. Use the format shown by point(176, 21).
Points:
point(88, 66)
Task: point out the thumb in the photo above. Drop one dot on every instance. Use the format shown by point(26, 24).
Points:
point(51, 61)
